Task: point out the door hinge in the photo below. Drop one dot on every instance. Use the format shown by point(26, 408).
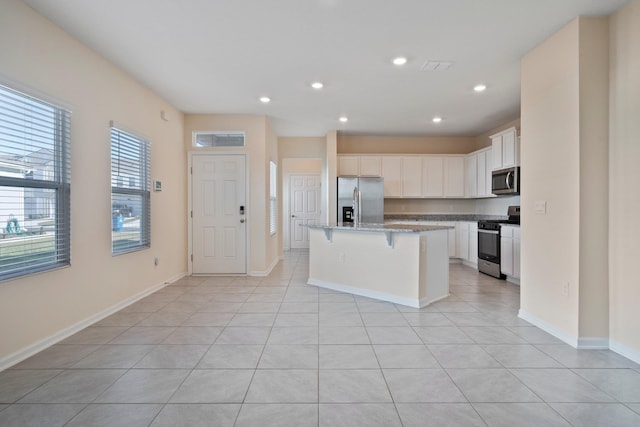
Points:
point(191, 257)
point(191, 170)
point(191, 214)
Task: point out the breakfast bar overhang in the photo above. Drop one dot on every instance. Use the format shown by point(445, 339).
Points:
point(402, 264)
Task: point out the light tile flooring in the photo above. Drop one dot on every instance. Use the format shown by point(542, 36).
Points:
point(277, 352)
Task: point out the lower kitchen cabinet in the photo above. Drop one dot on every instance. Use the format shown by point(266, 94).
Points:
point(510, 251)
point(467, 238)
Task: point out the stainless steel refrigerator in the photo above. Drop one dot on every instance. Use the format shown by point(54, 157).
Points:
point(370, 194)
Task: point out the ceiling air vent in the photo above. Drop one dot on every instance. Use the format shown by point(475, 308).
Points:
point(218, 139)
point(435, 65)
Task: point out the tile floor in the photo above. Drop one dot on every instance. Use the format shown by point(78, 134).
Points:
point(277, 352)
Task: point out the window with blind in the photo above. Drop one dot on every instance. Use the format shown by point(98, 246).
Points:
point(130, 192)
point(35, 217)
point(273, 201)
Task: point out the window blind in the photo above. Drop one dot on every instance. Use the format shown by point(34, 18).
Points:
point(35, 219)
point(130, 192)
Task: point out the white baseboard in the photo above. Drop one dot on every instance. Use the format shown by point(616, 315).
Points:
point(37, 347)
point(410, 302)
point(623, 350)
point(548, 328)
point(470, 264)
point(425, 301)
point(257, 273)
point(593, 343)
point(513, 280)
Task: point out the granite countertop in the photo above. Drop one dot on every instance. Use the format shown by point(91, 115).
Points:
point(442, 217)
point(386, 228)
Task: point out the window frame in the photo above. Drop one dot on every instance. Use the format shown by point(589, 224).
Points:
point(124, 189)
point(57, 179)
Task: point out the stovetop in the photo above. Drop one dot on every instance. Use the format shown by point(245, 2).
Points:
point(501, 221)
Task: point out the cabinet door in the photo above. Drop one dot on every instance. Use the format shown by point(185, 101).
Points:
point(509, 149)
point(471, 184)
point(489, 171)
point(454, 177)
point(370, 166)
point(392, 174)
point(481, 173)
point(412, 176)
point(348, 166)
point(496, 149)
point(432, 177)
point(462, 230)
point(473, 242)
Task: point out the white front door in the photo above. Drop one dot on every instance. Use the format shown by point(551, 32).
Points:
point(305, 207)
point(219, 223)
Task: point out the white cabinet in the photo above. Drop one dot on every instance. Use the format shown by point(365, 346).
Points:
point(510, 251)
point(506, 150)
point(370, 166)
point(412, 176)
point(392, 174)
point(471, 182)
point(467, 240)
point(359, 165)
point(454, 176)
point(483, 181)
point(432, 177)
point(473, 243)
point(348, 166)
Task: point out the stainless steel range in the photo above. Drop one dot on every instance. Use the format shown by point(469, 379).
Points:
point(489, 242)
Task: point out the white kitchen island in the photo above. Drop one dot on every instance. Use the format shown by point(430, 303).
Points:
point(403, 264)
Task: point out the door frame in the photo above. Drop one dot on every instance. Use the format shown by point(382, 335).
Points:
point(190, 156)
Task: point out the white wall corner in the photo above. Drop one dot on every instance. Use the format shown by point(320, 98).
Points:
point(548, 328)
point(265, 273)
point(47, 342)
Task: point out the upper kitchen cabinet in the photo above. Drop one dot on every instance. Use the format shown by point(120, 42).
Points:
point(454, 176)
point(370, 166)
point(348, 165)
point(359, 166)
point(412, 176)
point(506, 150)
point(479, 165)
point(392, 174)
point(433, 177)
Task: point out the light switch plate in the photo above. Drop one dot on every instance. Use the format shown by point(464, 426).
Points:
point(540, 206)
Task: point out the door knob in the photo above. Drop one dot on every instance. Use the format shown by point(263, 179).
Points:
point(241, 220)
point(293, 216)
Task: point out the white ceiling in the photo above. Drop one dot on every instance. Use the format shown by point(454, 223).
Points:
point(220, 56)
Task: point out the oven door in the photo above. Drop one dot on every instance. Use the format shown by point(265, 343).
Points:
point(489, 245)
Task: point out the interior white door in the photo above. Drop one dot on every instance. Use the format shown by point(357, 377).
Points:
point(219, 222)
point(304, 200)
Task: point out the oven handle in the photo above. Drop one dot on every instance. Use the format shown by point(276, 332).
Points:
point(489, 231)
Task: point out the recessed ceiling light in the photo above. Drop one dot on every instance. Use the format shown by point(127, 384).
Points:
point(317, 85)
point(436, 119)
point(265, 99)
point(480, 88)
point(401, 60)
point(344, 119)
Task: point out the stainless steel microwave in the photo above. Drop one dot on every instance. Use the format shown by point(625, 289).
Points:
point(506, 181)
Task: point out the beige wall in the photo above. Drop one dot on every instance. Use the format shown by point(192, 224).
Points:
point(624, 179)
point(594, 172)
point(348, 144)
point(550, 154)
point(564, 140)
point(261, 147)
point(42, 59)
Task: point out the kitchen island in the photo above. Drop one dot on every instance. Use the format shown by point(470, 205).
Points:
point(403, 264)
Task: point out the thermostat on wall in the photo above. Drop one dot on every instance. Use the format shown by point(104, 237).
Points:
point(157, 185)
